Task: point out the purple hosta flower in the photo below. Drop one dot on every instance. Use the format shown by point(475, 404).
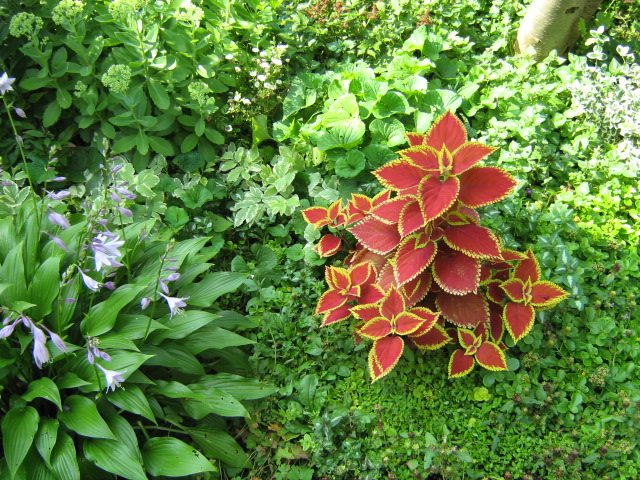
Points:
point(172, 278)
point(113, 378)
point(125, 192)
point(20, 112)
point(175, 304)
point(58, 219)
point(58, 241)
point(144, 303)
point(91, 284)
point(58, 179)
point(106, 251)
point(20, 140)
point(109, 285)
point(6, 184)
point(56, 339)
point(40, 352)
point(7, 330)
point(164, 287)
point(116, 168)
point(5, 83)
point(529, 191)
point(172, 269)
point(58, 195)
point(126, 212)
point(115, 197)
point(93, 351)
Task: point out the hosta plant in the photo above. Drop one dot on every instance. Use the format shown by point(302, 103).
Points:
point(420, 267)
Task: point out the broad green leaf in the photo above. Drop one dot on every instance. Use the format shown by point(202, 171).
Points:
point(19, 427)
point(46, 438)
point(81, 415)
point(212, 336)
point(173, 458)
point(34, 83)
point(213, 401)
point(378, 155)
point(51, 114)
point(197, 196)
point(443, 100)
point(71, 380)
point(101, 318)
point(389, 132)
point(142, 143)
point(213, 286)
point(259, 129)
point(213, 135)
point(176, 217)
point(343, 109)
point(216, 443)
point(390, 104)
point(158, 94)
point(307, 389)
point(126, 143)
point(63, 458)
point(44, 287)
point(13, 270)
point(240, 387)
point(179, 326)
point(345, 135)
point(351, 164)
point(189, 162)
point(132, 400)
point(175, 357)
point(189, 143)
point(43, 388)
point(115, 457)
point(36, 469)
point(63, 98)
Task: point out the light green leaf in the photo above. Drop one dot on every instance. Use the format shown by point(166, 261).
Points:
point(197, 196)
point(390, 104)
point(343, 109)
point(132, 400)
point(158, 94)
point(351, 164)
point(213, 401)
point(212, 336)
point(174, 357)
point(179, 326)
point(213, 286)
point(114, 456)
point(240, 387)
point(19, 427)
point(102, 317)
point(173, 458)
point(43, 388)
point(81, 415)
point(44, 287)
point(46, 438)
point(216, 443)
point(388, 132)
point(346, 135)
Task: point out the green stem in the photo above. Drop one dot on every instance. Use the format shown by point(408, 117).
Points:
point(155, 295)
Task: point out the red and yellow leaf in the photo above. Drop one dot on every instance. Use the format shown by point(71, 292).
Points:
point(377, 328)
point(423, 157)
point(463, 310)
point(456, 272)
point(370, 293)
point(328, 245)
point(409, 261)
point(384, 354)
point(400, 175)
point(330, 300)
point(415, 138)
point(381, 197)
point(407, 323)
point(460, 364)
point(436, 197)
point(392, 304)
point(416, 289)
point(546, 294)
point(528, 269)
point(519, 319)
point(496, 324)
point(337, 278)
point(514, 288)
point(509, 255)
point(474, 241)
point(466, 338)
point(468, 155)
point(431, 339)
point(411, 219)
point(316, 216)
point(448, 131)
point(386, 280)
point(376, 235)
point(480, 186)
point(366, 312)
point(362, 273)
point(390, 211)
point(360, 203)
point(494, 292)
point(428, 317)
point(491, 357)
point(336, 315)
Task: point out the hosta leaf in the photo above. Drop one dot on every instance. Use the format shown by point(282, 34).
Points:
point(115, 457)
point(81, 415)
point(216, 443)
point(213, 286)
point(447, 131)
point(480, 186)
point(64, 463)
point(546, 294)
point(519, 319)
point(171, 457)
point(463, 310)
point(468, 155)
point(376, 235)
point(375, 329)
point(455, 272)
point(528, 268)
point(19, 427)
point(431, 339)
point(399, 175)
point(460, 364)
point(474, 241)
point(132, 400)
point(491, 357)
point(436, 197)
point(328, 245)
point(43, 388)
point(410, 261)
point(384, 355)
point(240, 387)
point(46, 438)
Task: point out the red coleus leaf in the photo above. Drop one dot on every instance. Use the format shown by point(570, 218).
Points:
point(336, 315)
point(316, 216)
point(383, 196)
point(474, 241)
point(366, 312)
point(494, 292)
point(496, 325)
point(514, 288)
point(466, 338)
point(423, 157)
point(400, 175)
point(363, 255)
point(518, 318)
point(407, 323)
point(371, 293)
point(376, 235)
point(463, 310)
point(377, 328)
point(546, 294)
point(415, 138)
point(460, 364)
point(429, 318)
point(362, 273)
point(390, 211)
point(509, 255)
point(431, 339)
point(436, 197)
point(330, 300)
point(448, 131)
point(416, 289)
point(338, 278)
point(384, 355)
point(411, 218)
point(480, 186)
point(528, 269)
point(468, 155)
point(411, 260)
point(386, 280)
point(360, 203)
point(328, 245)
point(392, 304)
point(491, 357)
point(455, 272)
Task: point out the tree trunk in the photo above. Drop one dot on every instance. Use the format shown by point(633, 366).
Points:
point(553, 25)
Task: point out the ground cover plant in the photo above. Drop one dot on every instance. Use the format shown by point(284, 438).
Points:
point(202, 132)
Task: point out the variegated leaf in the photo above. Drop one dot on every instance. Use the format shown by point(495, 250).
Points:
point(376, 235)
point(491, 357)
point(463, 310)
point(384, 355)
point(519, 319)
point(474, 241)
point(460, 364)
point(480, 186)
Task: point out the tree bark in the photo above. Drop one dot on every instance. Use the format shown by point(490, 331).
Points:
point(553, 25)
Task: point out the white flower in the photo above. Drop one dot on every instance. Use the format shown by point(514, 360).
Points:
point(91, 284)
point(113, 378)
point(40, 352)
point(276, 61)
point(5, 83)
point(228, 56)
point(264, 65)
point(106, 251)
point(175, 304)
point(262, 78)
point(144, 303)
point(254, 50)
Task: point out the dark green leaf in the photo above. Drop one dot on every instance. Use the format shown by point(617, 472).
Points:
point(81, 415)
point(216, 443)
point(173, 458)
point(350, 164)
point(205, 292)
point(43, 388)
point(132, 400)
point(158, 94)
point(63, 459)
point(19, 427)
point(46, 438)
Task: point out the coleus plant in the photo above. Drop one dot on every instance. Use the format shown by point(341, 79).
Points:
point(422, 270)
